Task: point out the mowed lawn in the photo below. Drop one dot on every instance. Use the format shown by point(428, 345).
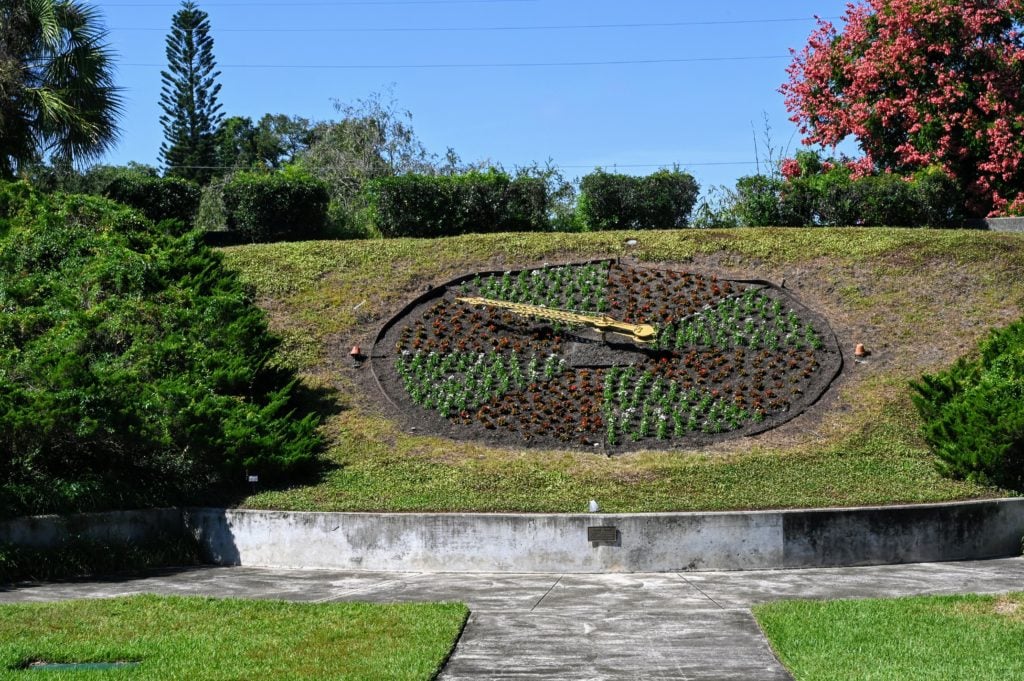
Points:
point(204, 639)
point(917, 299)
point(932, 638)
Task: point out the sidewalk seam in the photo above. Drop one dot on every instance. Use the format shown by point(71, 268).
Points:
point(702, 592)
point(547, 592)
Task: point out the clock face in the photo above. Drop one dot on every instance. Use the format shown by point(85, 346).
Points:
point(531, 360)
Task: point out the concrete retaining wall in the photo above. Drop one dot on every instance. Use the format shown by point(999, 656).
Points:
point(638, 543)
point(114, 527)
point(564, 543)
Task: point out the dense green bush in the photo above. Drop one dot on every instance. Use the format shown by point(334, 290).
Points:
point(662, 200)
point(158, 198)
point(757, 201)
point(444, 205)
point(133, 366)
point(285, 205)
point(974, 412)
point(820, 193)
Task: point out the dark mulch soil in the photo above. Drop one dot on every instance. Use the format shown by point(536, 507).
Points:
point(756, 385)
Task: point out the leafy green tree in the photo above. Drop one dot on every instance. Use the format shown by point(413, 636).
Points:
point(189, 97)
point(235, 144)
point(280, 139)
point(270, 144)
point(57, 94)
point(921, 83)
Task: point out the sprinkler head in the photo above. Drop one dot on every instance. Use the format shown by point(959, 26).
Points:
point(859, 351)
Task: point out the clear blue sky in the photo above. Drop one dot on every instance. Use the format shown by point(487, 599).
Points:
point(711, 75)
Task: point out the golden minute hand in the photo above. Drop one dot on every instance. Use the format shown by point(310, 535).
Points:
point(641, 333)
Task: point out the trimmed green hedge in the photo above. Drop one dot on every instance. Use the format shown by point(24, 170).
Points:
point(974, 412)
point(133, 366)
point(158, 198)
point(662, 200)
point(275, 206)
point(834, 198)
point(447, 205)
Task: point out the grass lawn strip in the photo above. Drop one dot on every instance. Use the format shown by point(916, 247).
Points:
point(940, 638)
point(212, 639)
point(917, 298)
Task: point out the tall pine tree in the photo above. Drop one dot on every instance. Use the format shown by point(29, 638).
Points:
point(189, 97)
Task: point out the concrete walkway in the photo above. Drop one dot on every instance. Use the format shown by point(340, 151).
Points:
point(693, 625)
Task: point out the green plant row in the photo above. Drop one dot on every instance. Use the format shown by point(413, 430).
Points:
point(638, 405)
point(661, 200)
point(447, 205)
point(456, 382)
point(288, 205)
point(752, 320)
point(583, 288)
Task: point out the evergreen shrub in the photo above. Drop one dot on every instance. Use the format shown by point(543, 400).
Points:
point(133, 365)
point(974, 411)
point(136, 185)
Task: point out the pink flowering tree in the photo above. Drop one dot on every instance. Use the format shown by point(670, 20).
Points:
point(921, 83)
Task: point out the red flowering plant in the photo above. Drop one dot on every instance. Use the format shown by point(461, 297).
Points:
point(921, 83)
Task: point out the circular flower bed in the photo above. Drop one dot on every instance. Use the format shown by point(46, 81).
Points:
point(532, 358)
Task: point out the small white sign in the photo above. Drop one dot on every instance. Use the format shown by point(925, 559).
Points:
point(254, 478)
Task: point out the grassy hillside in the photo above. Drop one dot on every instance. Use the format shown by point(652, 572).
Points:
point(917, 299)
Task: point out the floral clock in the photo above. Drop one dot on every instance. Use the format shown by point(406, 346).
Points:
point(605, 354)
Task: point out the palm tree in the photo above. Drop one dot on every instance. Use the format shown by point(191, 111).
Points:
point(57, 97)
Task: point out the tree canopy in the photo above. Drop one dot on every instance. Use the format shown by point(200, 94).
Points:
point(920, 83)
point(188, 97)
point(57, 94)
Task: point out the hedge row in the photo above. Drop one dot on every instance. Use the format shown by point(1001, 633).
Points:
point(446, 205)
point(158, 198)
point(269, 206)
point(836, 199)
point(662, 200)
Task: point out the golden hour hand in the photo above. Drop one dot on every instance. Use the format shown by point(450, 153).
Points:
point(640, 333)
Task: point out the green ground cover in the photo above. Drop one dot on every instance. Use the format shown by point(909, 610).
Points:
point(917, 298)
point(208, 639)
point(940, 638)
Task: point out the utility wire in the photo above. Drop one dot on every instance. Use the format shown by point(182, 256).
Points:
point(482, 29)
point(615, 62)
point(342, 3)
point(564, 167)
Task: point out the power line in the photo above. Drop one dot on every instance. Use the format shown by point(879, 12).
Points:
point(556, 165)
point(341, 3)
point(481, 29)
point(615, 62)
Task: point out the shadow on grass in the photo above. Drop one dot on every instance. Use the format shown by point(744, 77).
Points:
point(83, 558)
